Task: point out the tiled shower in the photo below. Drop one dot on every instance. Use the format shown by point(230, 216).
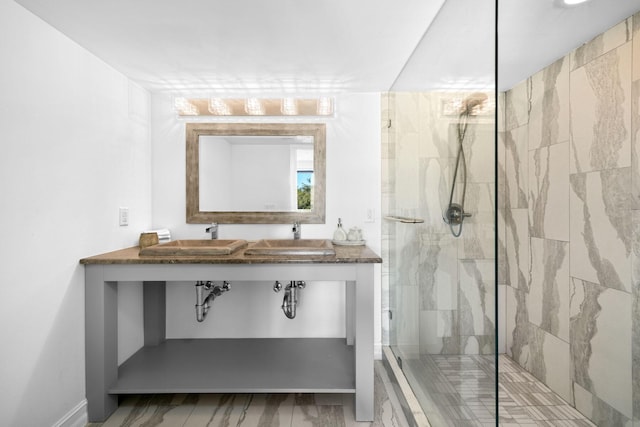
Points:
point(568, 231)
point(570, 218)
point(441, 288)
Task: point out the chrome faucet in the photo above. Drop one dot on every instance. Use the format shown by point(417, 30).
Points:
point(213, 229)
point(296, 230)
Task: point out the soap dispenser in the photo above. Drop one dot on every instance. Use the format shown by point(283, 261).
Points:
point(339, 234)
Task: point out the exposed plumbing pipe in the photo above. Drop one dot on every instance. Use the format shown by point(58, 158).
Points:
point(290, 300)
point(203, 302)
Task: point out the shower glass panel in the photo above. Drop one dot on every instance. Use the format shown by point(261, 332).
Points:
point(442, 327)
point(439, 234)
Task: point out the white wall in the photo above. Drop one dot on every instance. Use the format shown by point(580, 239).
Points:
point(353, 186)
point(75, 146)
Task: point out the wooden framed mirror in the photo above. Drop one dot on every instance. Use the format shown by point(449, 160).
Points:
point(255, 173)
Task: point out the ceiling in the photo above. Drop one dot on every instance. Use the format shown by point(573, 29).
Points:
point(199, 47)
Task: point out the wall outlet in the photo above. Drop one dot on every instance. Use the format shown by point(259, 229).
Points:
point(123, 216)
point(370, 215)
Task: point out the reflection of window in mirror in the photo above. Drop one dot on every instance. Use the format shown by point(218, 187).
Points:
point(302, 177)
point(305, 186)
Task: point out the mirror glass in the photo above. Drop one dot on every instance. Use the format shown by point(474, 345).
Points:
point(255, 173)
point(264, 173)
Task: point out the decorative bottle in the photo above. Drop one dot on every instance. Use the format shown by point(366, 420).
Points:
point(339, 234)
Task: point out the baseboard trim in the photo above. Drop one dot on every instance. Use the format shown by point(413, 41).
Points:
point(76, 417)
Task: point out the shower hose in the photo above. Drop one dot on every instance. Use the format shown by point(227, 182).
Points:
point(454, 216)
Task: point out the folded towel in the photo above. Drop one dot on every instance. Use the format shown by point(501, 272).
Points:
point(164, 235)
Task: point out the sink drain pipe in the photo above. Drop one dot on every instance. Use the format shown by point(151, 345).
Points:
point(290, 300)
point(206, 292)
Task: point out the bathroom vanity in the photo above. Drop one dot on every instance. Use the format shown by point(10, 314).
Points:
point(266, 365)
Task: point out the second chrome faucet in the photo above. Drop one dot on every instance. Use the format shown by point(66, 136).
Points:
point(213, 229)
point(297, 230)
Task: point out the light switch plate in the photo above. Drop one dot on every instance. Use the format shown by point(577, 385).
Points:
point(124, 216)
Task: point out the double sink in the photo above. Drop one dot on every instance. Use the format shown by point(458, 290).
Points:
point(264, 247)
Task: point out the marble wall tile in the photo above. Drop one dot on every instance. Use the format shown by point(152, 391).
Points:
point(407, 112)
point(502, 318)
point(478, 236)
point(549, 289)
point(549, 192)
point(434, 129)
point(601, 44)
point(437, 273)
point(511, 302)
point(477, 344)
point(601, 228)
point(517, 105)
point(516, 167)
point(635, 141)
point(600, 335)
point(479, 146)
point(407, 190)
point(431, 342)
point(549, 119)
point(597, 410)
point(517, 233)
point(444, 323)
point(636, 46)
point(501, 256)
point(601, 112)
point(542, 354)
point(519, 330)
point(477, 297)
point(502, 248)
point(406, 318)
point(635, 313)
point(435, 175)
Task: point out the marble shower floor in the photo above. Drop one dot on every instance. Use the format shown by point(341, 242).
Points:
point(256, 410)
point(460, 391)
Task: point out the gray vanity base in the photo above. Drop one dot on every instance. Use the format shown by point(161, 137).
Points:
point(341, 365)
point(273, 365)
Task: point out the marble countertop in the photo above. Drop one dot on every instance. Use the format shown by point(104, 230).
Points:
point(344, 255)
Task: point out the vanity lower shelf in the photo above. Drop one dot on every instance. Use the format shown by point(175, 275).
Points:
point(269, 365)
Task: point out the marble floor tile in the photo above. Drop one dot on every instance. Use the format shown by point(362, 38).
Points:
point(459, 390)
point(257, 410)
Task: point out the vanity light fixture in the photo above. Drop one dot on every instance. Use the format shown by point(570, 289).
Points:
point(254, 107)
point(289, 107)
point(270, 107)
point(218, 107)
point(325, 106)
point(184, 107)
